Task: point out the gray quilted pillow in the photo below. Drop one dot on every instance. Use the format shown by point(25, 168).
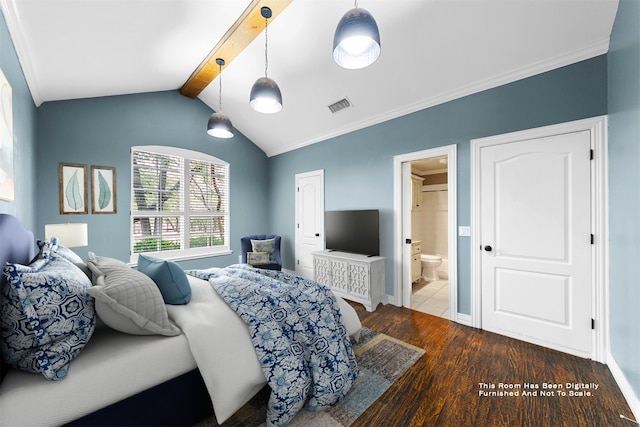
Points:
point(127, 300)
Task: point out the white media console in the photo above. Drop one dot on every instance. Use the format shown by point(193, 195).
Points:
point(358, 278)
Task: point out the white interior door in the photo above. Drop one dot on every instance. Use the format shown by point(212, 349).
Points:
point(535, 231)
point(309, 220)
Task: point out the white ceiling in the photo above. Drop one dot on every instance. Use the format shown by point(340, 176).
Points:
point(432, 51)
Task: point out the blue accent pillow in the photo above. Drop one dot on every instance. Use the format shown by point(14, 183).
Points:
point(47, 314)
point(170, 278)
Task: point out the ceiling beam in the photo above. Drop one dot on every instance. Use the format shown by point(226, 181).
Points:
point(236, 39)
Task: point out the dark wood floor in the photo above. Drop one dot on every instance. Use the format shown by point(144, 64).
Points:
point(443, 387)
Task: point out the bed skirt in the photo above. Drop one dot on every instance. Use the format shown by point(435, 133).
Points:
point(181, 401)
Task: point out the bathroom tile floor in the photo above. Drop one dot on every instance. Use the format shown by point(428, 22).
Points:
point(431, 297)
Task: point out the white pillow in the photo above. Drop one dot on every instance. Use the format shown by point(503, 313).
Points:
point(127, 300)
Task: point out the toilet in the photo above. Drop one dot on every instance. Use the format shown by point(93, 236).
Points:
point(430, 264)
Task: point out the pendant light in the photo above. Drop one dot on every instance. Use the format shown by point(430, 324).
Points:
point(219, 125)
point(265, 94)
point(356, 42)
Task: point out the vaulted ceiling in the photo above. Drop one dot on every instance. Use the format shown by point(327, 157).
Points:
point(432, 51)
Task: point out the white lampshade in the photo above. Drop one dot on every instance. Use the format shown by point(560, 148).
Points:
point(69, 235)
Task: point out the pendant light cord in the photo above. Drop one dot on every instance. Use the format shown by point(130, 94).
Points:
point(266, 57)
point(220, 91)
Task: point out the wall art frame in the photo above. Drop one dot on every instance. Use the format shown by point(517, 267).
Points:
point(72, 184)
point(103, 190)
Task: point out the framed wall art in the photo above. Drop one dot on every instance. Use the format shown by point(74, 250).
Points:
point(7, 174)
point(103, 190)
point(72, 183)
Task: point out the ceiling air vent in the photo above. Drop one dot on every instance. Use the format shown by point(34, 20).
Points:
point(340, 105)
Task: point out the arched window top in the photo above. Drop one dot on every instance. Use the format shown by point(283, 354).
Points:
point(180, 152)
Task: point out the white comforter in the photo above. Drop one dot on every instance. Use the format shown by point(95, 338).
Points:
point(221, 345)
point(112, 367)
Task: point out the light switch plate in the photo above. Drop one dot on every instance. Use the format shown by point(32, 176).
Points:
point(464, 230)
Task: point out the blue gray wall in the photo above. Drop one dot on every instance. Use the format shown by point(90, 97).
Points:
point(24, 122)
point(101, 132)
point(359, 166)
point(624, 190)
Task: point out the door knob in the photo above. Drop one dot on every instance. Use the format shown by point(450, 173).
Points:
point(488, 248)
point(317, 234)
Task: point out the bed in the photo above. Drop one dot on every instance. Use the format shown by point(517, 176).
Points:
point(209, 366)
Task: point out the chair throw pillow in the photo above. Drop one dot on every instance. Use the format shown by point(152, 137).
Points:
point(127, 300)
point(168, 276)
point(48, 316)
point(268, 246)
point(257, 258)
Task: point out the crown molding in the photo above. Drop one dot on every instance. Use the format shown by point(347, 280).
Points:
point(540, 67)
point(13, 23)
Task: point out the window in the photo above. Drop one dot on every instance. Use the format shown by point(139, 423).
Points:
point(180, 203)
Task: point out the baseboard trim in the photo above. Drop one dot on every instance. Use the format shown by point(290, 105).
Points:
point(389, 299)
point(625, 387)
point(464, 319)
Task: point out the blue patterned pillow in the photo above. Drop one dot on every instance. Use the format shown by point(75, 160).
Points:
point(47, 314)
point(53, 246)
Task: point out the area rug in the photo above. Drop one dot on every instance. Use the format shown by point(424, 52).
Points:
point(381, 361)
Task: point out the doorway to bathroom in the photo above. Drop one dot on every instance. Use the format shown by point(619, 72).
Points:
point(425, 197)
point(429, 236)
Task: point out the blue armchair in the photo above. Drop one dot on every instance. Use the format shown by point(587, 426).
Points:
point(275, 262)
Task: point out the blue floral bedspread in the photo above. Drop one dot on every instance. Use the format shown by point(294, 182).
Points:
point(298, 334)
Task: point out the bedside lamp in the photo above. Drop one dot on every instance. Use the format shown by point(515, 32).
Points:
point(68, 234)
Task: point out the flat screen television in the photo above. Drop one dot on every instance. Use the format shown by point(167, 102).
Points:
point(355, 231)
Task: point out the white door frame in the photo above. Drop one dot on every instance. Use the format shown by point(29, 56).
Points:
point(599, 214)
point(400, 293)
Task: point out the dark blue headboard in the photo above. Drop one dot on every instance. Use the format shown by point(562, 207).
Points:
point(16, 242)
point(16, 246)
